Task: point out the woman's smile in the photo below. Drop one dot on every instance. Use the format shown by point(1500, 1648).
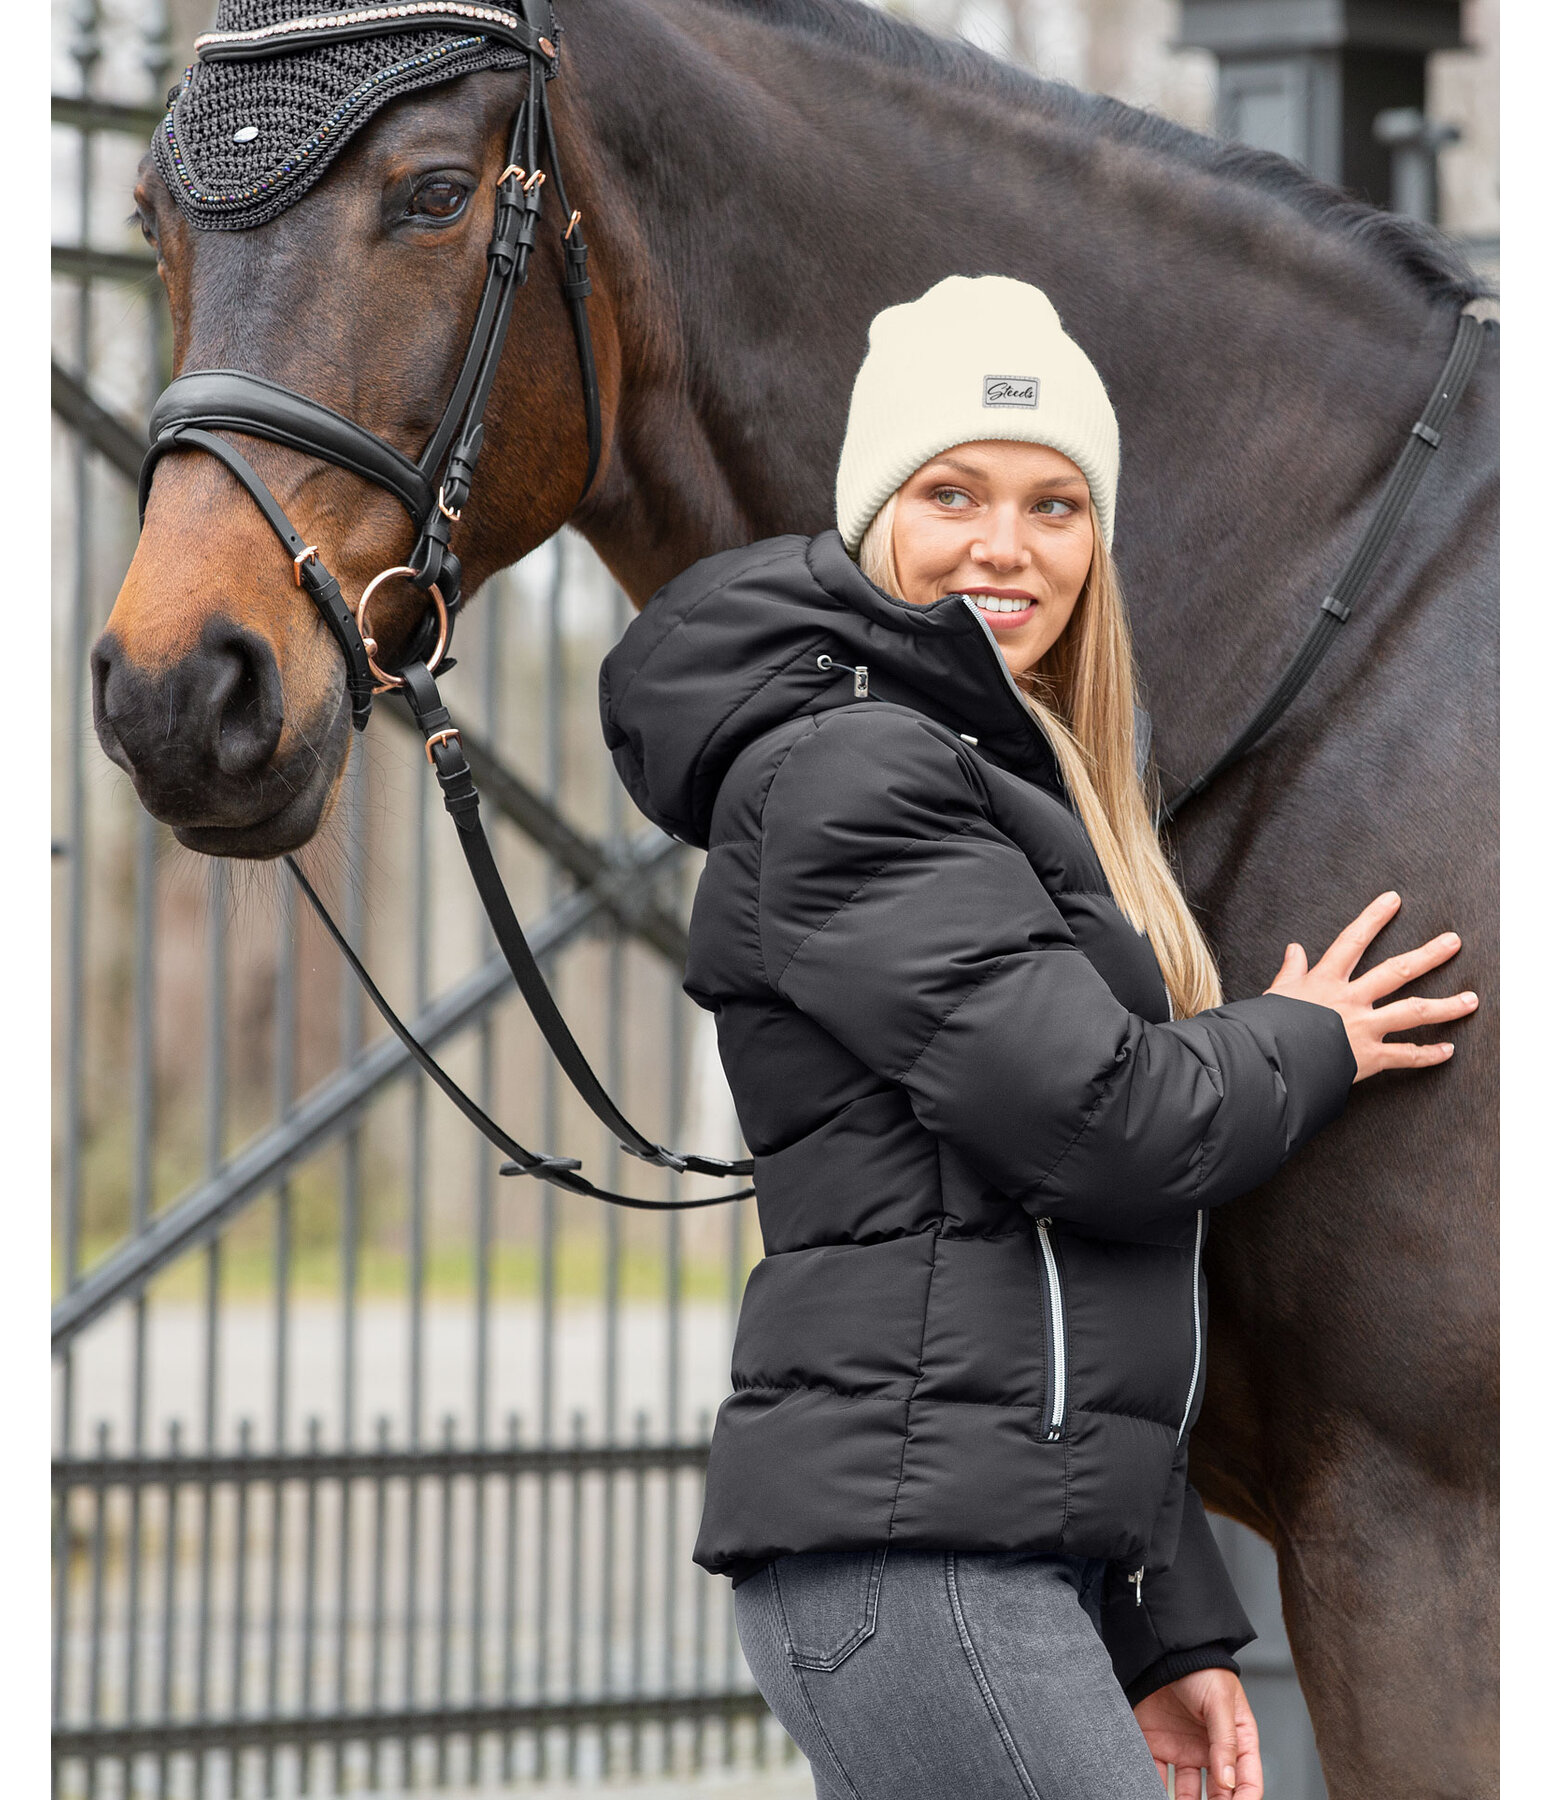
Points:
point(1003, 609)
point(1008, 524)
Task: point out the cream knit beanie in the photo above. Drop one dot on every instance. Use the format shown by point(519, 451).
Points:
point(975, 357)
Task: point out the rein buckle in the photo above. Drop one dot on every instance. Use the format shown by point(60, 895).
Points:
point(310, 554)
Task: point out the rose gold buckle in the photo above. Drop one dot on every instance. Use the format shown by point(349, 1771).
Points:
point(454, 513)
point(433, 661)
point(536, 179)
point(450, 736)
point(310, 554)
point(575, 220)
point(507, 173)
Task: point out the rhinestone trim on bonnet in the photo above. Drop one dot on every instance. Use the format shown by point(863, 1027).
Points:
point(309, 95)
point(261, 34)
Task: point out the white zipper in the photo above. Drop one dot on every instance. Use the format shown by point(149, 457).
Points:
point(1194, 1374)
point(1057, 1321)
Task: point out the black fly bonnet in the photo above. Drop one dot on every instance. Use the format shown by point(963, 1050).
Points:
point(275, 92)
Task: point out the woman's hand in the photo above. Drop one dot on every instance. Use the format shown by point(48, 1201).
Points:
point(1203, 1721)
point(1329, 983)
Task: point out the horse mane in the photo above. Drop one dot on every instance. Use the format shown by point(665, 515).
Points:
point(1415, 250)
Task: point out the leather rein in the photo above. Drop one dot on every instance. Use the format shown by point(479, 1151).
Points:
point(196, 406)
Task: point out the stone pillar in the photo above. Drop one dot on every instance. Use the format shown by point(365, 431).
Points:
point(1308, 78)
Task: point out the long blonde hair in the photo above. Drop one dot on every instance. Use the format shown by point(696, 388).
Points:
point(1083, 695)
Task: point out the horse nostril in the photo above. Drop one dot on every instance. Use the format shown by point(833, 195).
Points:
point(104, 659)
point(248, 702)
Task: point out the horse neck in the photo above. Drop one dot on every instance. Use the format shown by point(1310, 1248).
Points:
point(762, 190)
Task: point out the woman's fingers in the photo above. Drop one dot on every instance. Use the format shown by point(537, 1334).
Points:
point(1405, 1015)
point(1397, 970)
point(1408, 1056)
point(1221, 1719)
point(1348, 949)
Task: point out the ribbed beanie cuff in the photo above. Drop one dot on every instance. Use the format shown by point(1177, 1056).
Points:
point(974, 358)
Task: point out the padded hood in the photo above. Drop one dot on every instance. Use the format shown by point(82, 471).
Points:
point(730, 649)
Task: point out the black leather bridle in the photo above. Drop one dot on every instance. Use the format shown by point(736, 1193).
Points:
point(433, 491)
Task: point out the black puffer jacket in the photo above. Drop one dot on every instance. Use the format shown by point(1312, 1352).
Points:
point(984, 1155)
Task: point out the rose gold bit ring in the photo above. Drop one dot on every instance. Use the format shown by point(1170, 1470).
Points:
point(450, 736)
point(310, 554)
point(433, 662)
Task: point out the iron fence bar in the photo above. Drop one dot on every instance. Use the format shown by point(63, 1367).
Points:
point(429, 1463)
point(317, 1118)
point(79, 262)
point(174, 1735)
point(105, 431)
point(82, 112)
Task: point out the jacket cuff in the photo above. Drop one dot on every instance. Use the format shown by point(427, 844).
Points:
point(1176, 1665)
point(1308, 1045)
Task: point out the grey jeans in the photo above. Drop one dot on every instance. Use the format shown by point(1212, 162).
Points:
point(926, 1675)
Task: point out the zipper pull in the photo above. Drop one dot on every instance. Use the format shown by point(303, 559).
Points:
point(1135, 1576)
point(860, 671)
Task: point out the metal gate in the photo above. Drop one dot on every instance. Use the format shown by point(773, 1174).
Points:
point(373, 1469)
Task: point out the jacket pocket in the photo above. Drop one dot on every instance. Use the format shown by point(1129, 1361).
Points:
point(1200, 1348)
point(828, 1603)
point(1054, 1421)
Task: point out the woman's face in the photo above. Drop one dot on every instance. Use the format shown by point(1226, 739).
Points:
point(1011, 526)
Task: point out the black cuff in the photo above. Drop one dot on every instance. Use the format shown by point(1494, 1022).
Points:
point(1177, 1664)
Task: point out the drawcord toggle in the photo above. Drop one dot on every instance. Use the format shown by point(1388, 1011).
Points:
point(859, 670)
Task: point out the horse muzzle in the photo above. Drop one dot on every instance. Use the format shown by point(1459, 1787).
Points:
point(205, 742)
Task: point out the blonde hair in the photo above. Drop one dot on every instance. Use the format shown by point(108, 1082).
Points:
point(1083, 695)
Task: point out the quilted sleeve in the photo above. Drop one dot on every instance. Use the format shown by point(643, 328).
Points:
point(895, 914)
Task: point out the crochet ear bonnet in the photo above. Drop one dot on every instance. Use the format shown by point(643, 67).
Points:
point(244, 139)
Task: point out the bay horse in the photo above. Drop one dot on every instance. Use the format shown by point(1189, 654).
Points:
point(757, 183)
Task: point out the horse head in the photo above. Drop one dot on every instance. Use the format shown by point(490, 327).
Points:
point(216, 684)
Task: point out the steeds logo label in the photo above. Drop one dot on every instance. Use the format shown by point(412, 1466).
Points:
point(1011, 390)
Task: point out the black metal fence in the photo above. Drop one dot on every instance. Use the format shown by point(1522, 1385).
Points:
point(372, 1469)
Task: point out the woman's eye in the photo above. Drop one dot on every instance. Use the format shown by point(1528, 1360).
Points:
point(954, 499)
point(438, 198)
point(1047, 506)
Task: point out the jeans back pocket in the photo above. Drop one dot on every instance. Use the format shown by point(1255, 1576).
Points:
point(828, 1603)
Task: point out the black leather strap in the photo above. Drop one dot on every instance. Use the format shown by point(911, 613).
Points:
point(1336, 607)
point(231, 400)
point(461, 799)
point(561, 1171)
point(320, 585)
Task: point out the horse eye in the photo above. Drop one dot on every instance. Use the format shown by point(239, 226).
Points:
point(438, 198)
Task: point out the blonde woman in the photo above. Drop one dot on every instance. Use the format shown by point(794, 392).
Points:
point(979, 1052)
